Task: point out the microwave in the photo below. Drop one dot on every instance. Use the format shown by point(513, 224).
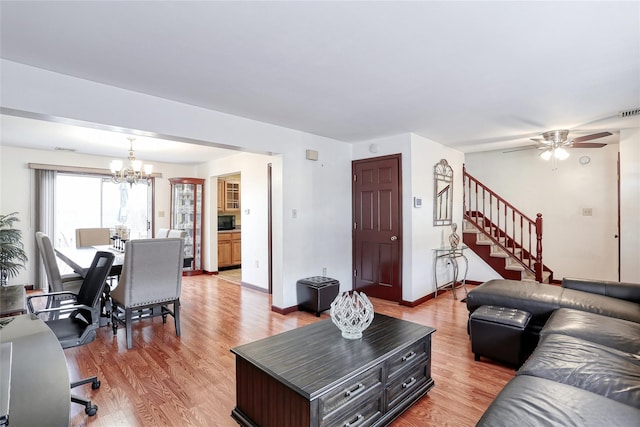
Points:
point(226, 222)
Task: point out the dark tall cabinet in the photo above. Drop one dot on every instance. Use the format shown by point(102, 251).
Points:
point(187, 206)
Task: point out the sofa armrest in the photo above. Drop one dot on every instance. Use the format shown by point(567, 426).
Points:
point(621, 290)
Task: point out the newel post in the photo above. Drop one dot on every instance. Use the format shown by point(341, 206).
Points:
point(539, 247)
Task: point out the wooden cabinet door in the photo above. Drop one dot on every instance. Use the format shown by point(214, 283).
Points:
point(224, 250)
point(232, 196)
point(236, 249)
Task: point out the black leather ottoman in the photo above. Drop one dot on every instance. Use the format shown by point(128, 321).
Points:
point(496, 333)
point(317, 293)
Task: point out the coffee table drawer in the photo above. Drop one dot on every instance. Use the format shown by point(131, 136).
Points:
point(362, 386)
point(408, 357)
point(407, 384)
point(365, 414)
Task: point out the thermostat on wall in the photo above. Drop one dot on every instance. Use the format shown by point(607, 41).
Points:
point(417, 202)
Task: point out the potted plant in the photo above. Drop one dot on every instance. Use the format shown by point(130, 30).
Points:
point(12, 254)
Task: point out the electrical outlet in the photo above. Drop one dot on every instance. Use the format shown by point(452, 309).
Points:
point(587, 212)
point(294, 213)
point(257, 264)
point(324, 271)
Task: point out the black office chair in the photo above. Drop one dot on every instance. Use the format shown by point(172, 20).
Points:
point(76, 323)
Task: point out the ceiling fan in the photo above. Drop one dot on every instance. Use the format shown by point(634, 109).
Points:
point(555, 142)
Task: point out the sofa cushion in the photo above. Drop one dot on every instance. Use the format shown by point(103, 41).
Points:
point(532, 401)
point(600, 304)
point(536, 298)
point(620, 334)
point(622, 290)
point(586, 365)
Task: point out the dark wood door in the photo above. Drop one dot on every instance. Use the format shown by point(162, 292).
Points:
point(377, 231)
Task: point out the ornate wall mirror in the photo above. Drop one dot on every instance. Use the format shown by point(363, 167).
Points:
point(442, 193)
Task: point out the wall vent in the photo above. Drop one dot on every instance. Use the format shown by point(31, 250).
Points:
point(629, 113)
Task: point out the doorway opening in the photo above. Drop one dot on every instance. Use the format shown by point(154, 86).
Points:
point(229, 228)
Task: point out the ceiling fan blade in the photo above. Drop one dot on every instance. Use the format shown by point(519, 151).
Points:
point(590, 137)
point(528, 147)
point(587, 145)
point(538, 140)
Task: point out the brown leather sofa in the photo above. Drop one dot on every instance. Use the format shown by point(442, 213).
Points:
point(585, 366)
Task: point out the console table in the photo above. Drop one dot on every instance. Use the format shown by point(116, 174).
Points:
point(451, 255)
point(12, 300)
point(312, 376)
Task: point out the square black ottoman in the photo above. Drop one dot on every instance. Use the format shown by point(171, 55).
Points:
point(317, 293)
point(496, 333)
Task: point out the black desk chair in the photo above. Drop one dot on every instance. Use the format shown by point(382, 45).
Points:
point(76, 323)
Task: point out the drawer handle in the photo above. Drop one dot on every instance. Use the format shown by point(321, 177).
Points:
point(409, 383)
point(409, 356)
point(356, 422)
point(357, 390)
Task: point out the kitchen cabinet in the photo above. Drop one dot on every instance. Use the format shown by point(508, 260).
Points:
point(229, 249)
point(228, 195)
point(187, 205)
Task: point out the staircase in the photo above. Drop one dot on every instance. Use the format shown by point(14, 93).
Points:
point(503, 262)
point(505, 238)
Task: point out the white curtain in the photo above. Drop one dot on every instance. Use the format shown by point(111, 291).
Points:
point(45, 211)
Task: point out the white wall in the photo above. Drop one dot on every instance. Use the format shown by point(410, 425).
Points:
point(573, 244)
point(319, 236)
point(17, 186)
point(630, 205)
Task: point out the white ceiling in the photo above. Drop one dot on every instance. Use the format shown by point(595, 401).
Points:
point(472, 75)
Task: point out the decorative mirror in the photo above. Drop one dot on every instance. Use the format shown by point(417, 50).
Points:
point(442, 193)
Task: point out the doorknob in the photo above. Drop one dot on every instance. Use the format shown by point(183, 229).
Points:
point(394, 238)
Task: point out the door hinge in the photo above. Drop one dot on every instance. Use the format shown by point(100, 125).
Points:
point(355, 225)
point(355, 177)
point(355, 273)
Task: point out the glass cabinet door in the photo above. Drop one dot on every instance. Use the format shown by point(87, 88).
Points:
point(187, 200)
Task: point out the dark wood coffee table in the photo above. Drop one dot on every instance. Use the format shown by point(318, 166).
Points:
point(12, 300)
point(312, 376)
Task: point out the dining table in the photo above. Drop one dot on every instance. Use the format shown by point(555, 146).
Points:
point(80, 259)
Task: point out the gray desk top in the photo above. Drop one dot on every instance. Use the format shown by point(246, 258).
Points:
point(39, 393)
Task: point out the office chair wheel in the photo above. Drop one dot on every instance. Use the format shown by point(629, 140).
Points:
point(91, 410)
point(95, 385)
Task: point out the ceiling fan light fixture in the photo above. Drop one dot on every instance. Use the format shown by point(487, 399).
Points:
point(560, 153)
point(546, 154)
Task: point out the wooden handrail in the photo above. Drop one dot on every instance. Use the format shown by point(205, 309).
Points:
point(506, 226)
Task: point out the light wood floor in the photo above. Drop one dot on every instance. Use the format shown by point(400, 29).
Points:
point(190, 381)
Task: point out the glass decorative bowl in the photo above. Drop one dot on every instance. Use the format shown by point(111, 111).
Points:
point(352, 313)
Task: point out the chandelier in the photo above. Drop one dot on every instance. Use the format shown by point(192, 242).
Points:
point(134, 172)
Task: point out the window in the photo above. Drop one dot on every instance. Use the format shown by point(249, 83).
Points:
point(84, 201)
